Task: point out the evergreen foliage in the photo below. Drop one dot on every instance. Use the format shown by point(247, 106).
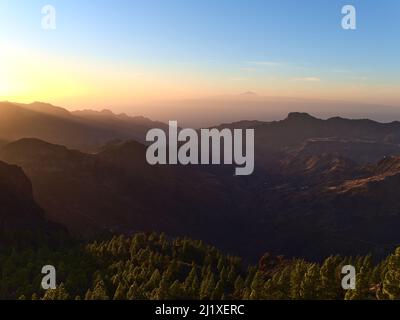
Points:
point(154, 267)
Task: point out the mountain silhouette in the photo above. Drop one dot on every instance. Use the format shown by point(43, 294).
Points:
point(116, 190)
point(21, 218)
point(320, 186)
point(85, 130)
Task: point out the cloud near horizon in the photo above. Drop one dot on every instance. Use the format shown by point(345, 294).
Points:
point(307, 79)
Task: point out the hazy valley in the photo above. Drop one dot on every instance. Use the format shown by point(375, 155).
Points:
point(320, 186)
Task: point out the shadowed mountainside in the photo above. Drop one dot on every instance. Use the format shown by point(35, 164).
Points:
point(320, 187)
point(117, 191)
point(85, 130)
point(21, 218)
point(363, 141)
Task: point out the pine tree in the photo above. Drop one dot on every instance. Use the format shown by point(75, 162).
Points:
point(361, 292)
point(89, 295)
point(391, 282)
point(218, 291)
point(162, 292)
point(310, 284)
point(238, 287)
point(60, 293)
point(154, 281)
point(257, 286)
point(120, 293)
point(192, 283)
point(329, 285)
point(99, 292)
point(134, 292)
point(296, 277)
point(190, 278)
point(195, 288)
point(221, 264)
point(246, 294)
point(232, 275)
point(176, 291)
point(283, 284)
point(251, 272)
point(207, 287)
point(172, 270)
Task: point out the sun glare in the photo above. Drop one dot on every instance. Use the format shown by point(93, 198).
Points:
point(5, 87)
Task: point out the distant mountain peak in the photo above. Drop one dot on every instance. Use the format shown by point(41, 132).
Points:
point(107, 112)
point(249, 94)
point(46, 108)
point(302, 116)
point(41, 103)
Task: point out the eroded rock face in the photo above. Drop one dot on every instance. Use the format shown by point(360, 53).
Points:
point(17, 205)
point(20, 215)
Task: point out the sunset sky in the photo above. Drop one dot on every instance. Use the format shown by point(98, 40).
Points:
point(126, 53)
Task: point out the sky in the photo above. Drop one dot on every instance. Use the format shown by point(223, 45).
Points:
point(129, 54)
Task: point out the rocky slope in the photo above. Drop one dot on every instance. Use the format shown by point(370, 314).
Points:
point(21, 218)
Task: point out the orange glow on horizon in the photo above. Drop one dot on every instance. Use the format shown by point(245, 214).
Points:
point(27, 75)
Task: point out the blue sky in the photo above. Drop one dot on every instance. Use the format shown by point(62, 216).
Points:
point(219, 39)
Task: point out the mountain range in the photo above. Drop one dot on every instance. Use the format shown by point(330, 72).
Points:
point(86, 130)
point(320, 187)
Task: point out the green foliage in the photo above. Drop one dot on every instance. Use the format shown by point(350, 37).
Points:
point(151, 266)
point(57, 294)
point(391, 281)
point(310, 284)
